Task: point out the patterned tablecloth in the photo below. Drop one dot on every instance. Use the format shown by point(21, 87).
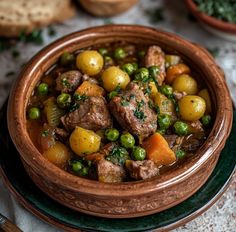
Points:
point(167, 15)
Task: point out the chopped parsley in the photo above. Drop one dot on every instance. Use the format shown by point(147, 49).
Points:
point(65, 82)
point(45, 133)
point(74, 107)
point(147, 90)
point(118, 156)
point(139, 114)
point(78, 97)
point(51, 31)
point(35, 37)
point(132, 96)
point(221, 9)
point(108, 21)
point(124, 102)
point(155, 15)
point(10, 73)
point(140, 104)
point(15, 53)
point(214, 51)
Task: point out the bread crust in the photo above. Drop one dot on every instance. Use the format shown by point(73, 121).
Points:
point(17, 16)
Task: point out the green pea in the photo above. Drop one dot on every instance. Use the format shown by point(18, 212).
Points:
point(166, 90)
point(128, 68)
point(84, 171)
point(119, 53)
point(103, 51)
point(164, 121)
point(42, 89)
point(135, 66)
point(112, 134)
point(141, 54)
point(77, 166)
point(127, 140)
point(142, 74)
point(180, 154)
point(181, 128)
point(138, 153)
point(64, 100)
point(206, 120)
point(67, 58)
point(34, 113)
point(154, 71)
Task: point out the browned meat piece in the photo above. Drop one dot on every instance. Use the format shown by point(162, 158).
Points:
point(171, 139)
point(85, 77)
point(109, 172)
point(195, 127)
point(97, 156)
point(131, 110)
point(155, 56)
point(141, 170)
point(179, 95)
point(68, 81)
point(61, 134)
point(193, 141)
point(92, 114)
point(178, 143)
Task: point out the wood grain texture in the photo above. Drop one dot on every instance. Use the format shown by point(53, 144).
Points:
point(7, 226)
point(110, 200)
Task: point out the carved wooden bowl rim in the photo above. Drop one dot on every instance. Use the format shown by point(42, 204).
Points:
point(41, 62)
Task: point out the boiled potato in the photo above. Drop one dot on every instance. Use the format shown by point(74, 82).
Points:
point(83, 141)
point(89, 62)
point(185, 83)
point(113, 77)
point(57, 154)
point(191, 107)
point(206, 96)
point(176, 70)
point(165, 105)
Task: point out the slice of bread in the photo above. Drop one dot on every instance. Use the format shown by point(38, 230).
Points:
point(17, 16)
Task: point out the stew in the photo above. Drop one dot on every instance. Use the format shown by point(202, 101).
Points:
point(119, 112)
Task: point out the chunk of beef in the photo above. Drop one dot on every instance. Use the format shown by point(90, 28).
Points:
point(85, 77)
point(92, 114)
point(155, 56)
point(179, 95)
point(196, 127)
point(133, 113)
point(171, 139)
point(141, 170)
point(193, 141)
point(67, 82)
point(97, 156)
point(109, 172)
point(61, 134)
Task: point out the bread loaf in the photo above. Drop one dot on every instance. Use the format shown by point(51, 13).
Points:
point(17, 16)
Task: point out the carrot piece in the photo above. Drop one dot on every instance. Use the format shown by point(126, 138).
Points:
point(89, 89)
point(158, 150)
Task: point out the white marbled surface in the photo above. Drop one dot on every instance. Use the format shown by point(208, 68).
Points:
point(221, 217)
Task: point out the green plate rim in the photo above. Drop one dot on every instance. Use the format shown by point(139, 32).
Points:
point(180, 214)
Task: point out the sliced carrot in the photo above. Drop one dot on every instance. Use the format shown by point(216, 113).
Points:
point(158, 150)
point(89, 89)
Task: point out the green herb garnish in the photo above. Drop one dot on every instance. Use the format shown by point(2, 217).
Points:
point(118, 156)
point(221, 9)
point(155, 15)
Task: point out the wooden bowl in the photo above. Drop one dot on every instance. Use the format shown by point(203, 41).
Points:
point(216, 26)
point(128, 199)
point(107, 7)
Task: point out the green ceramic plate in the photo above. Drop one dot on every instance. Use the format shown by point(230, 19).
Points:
point(40, 203)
